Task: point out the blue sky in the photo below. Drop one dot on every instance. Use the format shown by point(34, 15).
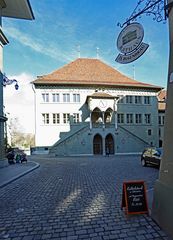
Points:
point(50, 41)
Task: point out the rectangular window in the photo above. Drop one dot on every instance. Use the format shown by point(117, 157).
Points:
point(138, 118)
point(55, 97)
point(56, 118)
point(45, 118)
point(66, 97)
point(160, 120)
point(120, 118)
point(45, 97)
point(75, 117)
point(149, 132)
point(66, 117)
point(129, 99)
point(129, 118)
point(146, 100)
point(163, 120)
point(121, 100)
point(76, 97)
point(147, 118)
point(138, 100)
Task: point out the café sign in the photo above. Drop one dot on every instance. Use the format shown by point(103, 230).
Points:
point(130, 44)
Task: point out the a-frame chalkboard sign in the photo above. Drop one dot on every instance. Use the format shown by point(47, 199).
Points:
point(134, 198)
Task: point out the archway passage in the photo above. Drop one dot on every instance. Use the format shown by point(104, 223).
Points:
point(97, 145)
point(109, 144)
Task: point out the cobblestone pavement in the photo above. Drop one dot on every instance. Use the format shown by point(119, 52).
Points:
point(76, 198)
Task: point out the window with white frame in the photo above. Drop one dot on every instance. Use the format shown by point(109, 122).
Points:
point(138, 99)
point(120, 118)
point(146, 99)
point(129, 99)
point(75, 117)
point(45, 97)
point(66, 97)
point(76, 97)
point(138, 118)
point(129, 118)
point(66, 117)
point(56, 118)
point(147, 118)
point(55, 97)
point(45, 118)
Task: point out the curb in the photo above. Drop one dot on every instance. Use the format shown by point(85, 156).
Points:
point(20, 175)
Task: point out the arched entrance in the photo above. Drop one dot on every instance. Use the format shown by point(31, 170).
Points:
point(109, 144)
point(97, 145)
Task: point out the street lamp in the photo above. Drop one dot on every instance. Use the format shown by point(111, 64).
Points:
point(7, 81)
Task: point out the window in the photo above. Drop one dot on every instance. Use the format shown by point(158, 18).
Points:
point(66, 117)
point(146, 100)
point(138, 100)
point(149, 132)
point(45, 118)
point(138, 118)
point(45, 97)
point(161, 120)
point(120, 118)
point(76, 97)
point(55, 97)
point(121, 100)
point(129, 99)
point(129, 118)
point(75, 117)
point(56, 118)
point(147, 118)
point(66, 97)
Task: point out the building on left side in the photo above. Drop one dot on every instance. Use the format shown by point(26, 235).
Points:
point(20, 9)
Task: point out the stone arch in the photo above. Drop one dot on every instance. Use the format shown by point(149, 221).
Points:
point(98, 144)
point(96, 116)
point(109, 144)
point(108, 115)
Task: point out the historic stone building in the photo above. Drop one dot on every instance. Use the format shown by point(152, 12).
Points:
point(87, 107)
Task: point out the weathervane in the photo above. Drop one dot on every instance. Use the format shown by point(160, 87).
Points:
point(159, 9)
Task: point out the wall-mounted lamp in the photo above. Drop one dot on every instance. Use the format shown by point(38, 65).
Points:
point(7, 81)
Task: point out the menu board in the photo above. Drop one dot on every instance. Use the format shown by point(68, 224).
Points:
point(134, 197)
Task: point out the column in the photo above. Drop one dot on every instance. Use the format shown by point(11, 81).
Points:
point(162, 211)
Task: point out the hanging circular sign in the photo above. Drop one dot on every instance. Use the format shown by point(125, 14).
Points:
point(130, 38)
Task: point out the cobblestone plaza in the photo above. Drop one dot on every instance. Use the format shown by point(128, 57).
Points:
point(76, 198)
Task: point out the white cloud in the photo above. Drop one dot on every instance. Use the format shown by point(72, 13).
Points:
point(50, 50)
point(20, 103)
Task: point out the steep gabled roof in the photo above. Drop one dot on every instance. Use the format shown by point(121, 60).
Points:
point(86, 71)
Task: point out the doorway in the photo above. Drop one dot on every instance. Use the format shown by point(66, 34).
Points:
point(97, 144)
point(109, 144)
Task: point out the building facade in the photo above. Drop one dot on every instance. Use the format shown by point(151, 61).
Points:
point(20, 9)
point(88, 107)
point(161, 112)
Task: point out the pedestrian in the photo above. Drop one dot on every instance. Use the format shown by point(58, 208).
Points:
point(10, 156)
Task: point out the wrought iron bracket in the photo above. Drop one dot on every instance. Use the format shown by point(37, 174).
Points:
point(157, 8)
point(168, 8)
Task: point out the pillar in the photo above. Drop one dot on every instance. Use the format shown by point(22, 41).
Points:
point(162, 210)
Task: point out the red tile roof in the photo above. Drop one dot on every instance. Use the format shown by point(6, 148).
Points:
point(86, 71)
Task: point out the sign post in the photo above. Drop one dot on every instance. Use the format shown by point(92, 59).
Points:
point(134, 198)
point(130, 44)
